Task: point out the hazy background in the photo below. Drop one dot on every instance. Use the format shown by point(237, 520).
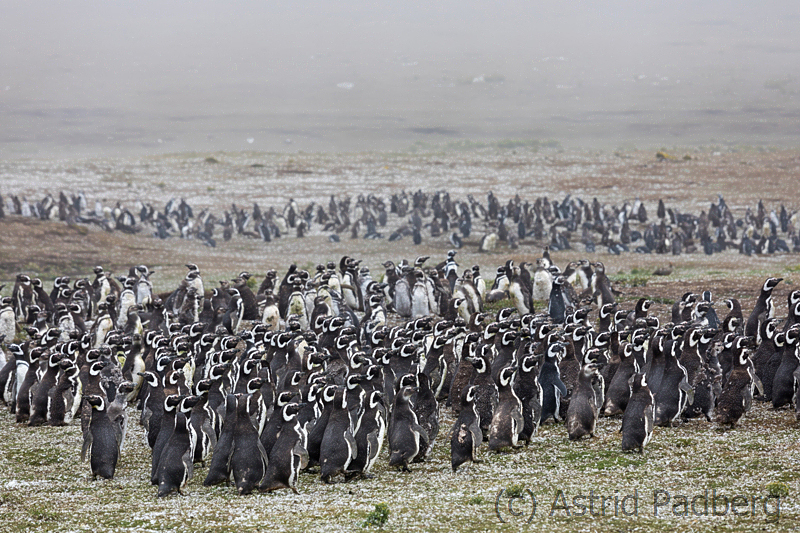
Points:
point(85, 78)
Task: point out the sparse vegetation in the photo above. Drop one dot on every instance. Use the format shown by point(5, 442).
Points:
point(377, 517)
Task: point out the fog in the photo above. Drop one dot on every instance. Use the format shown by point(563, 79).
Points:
point(102, 78)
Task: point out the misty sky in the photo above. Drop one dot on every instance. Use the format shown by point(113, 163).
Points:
point(146, 77)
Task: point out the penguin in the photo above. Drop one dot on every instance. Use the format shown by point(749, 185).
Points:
point(100, 440)
point(248, 460)
point(426, 408)
point(220, 468)
point(406, 436)
point(117, 414)
point(736, 397)
point(171, 403)
point(176, 466)
point(783, 382)
point(61, 397)
point(558, 302)
point(370, 435)
point(466, 435)
point(553, 389)
point(420, 303)
point(402, 301)
point(529, 391)
point(763, 305)
point(338, 446)
point(638, 420)
point(507, 421)
point(486, 396)
point(675, 393)
point(39, 393)
point(585, 402)
point(619, 389)
point(288, 455)
point(316, 431)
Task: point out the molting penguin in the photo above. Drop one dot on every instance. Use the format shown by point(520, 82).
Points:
point(466, 435)
point(737, 393)
point(584, 405)
point(507, 422)
point(637, 422)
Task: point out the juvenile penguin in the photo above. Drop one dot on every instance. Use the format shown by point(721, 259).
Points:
point(637, 422)
point(100, 440)
point(406, 435)
point(288, 455)
point(466, 435)
point(584, 406)
point(507, 421)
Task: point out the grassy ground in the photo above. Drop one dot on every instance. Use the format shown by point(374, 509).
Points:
point(45, 487)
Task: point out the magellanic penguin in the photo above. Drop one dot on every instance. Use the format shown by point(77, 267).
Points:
point(507, 421)
point(466, 436)
point(737, 393)
point(338, 447)
point(176, 466)
point(100, 440)
point(220, 468)
point(288, 455)
point(618, 394)
point(529, 392)
point(426, 408)
point(486, 396)
point(763, 305)
point(370, 435)
point(248, 461)
point(637, 422)
point(675, 393)
point(584, 405)
point(783, 385)
point(61, 397)
point(405, 435)
point(550, 380)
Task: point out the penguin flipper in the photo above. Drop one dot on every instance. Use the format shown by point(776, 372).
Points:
point(300, 451)
point(86, 449)
point(685, 387)
point(759, 385)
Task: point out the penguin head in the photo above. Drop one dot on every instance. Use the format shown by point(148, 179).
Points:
point(375, 399)
point(97, 402)
point(506, 376)
point(771, 283)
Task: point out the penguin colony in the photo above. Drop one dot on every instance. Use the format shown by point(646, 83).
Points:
point(615, 229)
point(306, 373)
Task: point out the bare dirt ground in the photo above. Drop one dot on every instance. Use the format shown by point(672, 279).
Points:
point(43, 485)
